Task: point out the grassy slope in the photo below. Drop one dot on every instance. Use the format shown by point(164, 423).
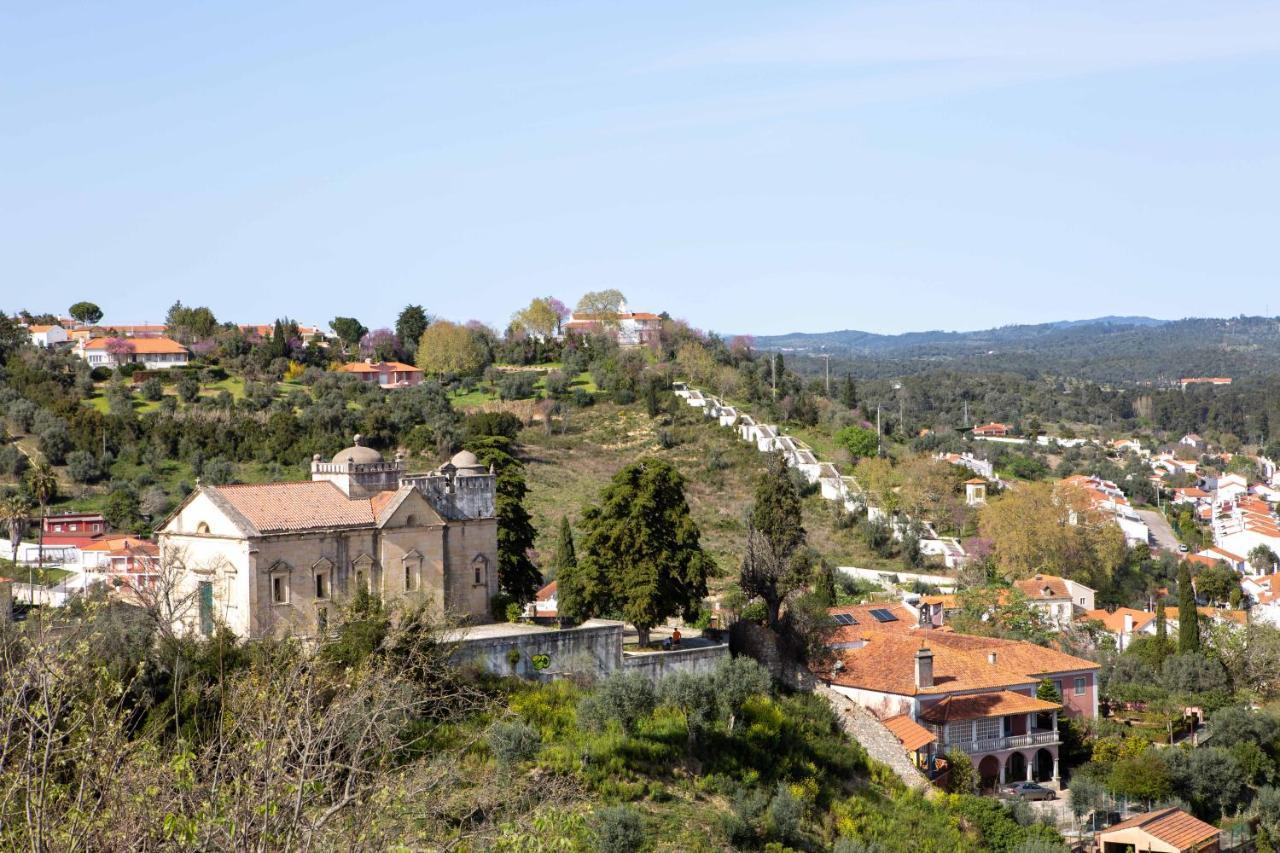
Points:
point(566, 471)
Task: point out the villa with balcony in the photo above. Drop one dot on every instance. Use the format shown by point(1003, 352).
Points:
point(938, 691)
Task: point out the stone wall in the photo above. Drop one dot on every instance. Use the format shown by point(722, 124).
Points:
point(657, 665)
point(593, 649)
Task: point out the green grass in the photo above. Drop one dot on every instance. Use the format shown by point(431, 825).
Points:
point(47, 576)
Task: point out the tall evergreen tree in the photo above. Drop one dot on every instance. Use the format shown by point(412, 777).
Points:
point(518, 577)
point(775, 532)
point(641, 550)
point(849, 392)
point(410, 325)
point(1188, 618)
point(569, 599)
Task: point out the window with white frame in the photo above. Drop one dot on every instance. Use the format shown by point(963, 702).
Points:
point(990, 728)
point(280, 588)
point(1079, 685)
point(480, 568)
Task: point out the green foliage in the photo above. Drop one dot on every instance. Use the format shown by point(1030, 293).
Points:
point(640, 552)
point(518, 577)
point(1188, 617)
point(962, 776)
point(775, 532)
point(348, 329)
point(998, 829)
point(624, 697)
point(513, 742)
point(410, 324)
point(859, 441)
point(85, 312)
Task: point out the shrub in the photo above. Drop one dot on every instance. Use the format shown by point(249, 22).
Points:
point(583, 398)
point(667, 439)
point(55, 443)
point(83, 466)
point(217, 471)
point(517, 386)
point(513, 741)
point(100, 374)
point(627, 698)
point(619, 829)
point(502, 424)
point(188, 388)
point(557, 383)
point(22, 413)
point(152, 389)
point(13, 462)
point(624, 396)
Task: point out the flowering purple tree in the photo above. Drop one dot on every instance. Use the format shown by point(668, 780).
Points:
point(119, 349)
point(380, 345)
point(562, 310)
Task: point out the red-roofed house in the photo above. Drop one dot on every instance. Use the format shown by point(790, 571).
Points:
point(47, 336)
point(993, 430)
point(1168, 830)
point(975, 694)
point(157, 353)
point(544, 606)
point(387, 374)
point(628, 328)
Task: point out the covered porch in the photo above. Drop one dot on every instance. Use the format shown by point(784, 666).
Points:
point(1011, 737)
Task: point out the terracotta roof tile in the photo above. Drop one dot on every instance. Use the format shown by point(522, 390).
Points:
point(1035, 587)
point(911, 734)
point(283, 507)
point(144, 346)
point(1172, 826)
point(985, 705)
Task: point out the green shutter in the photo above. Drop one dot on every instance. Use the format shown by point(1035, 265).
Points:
point(206, 608)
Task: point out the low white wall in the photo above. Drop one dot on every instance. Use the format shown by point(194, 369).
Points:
point(885, 579)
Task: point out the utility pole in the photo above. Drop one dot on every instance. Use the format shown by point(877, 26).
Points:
point(773, 373)
point(827, 356)
point(878, 450)
point(966, 413)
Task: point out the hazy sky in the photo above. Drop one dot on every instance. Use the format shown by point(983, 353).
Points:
point(748, 166)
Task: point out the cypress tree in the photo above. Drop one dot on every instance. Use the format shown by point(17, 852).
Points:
point(849, 392)
point(570, 603)
point(1188, 624)
point(775, 533)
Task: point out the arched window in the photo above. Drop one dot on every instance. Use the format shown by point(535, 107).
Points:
point(481, 567)
point(411, 520)
point(202, 528)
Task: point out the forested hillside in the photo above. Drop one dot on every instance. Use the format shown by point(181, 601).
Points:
point(1114, 350)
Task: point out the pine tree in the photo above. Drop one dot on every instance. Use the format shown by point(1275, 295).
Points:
point(775, 533)
point(1188, 624)
point(641, 550)
point(849, 392)
point(1162, 632)
point(569, 599)
point(518, 577)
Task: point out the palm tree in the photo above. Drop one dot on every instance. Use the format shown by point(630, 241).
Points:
point(42, 484)
point(15, 514)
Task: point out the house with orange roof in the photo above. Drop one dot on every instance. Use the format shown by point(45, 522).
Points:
point(628, 328)
point(1059, 599)
point(1125, 624)
point(277, 559)
point(47, 336)
point(154, 353)
point(386, 374)
point(1169, 830)
point(1108, 499)
point(974, 694)
point(544, 607)
point(993, 430)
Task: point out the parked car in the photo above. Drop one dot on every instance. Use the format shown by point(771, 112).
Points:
point(1184, 548)
point(1029, 791)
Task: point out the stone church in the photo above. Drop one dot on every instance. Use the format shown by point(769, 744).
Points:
point(280, 559)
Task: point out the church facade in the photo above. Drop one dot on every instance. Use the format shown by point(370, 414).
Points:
point(281, 559)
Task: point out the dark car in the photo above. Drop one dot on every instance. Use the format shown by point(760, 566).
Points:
point(1029, 791)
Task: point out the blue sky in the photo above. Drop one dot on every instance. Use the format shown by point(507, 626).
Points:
point(748, 166)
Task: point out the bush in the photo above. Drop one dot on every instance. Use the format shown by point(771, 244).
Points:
point(782, 818)
point(188, 388)
point(582, 398)
point(502, 424)
point(619, 829)
point(83, 466)
point(152, 389)
point(100, 374)
point(667, 439)
point(22, 413)
point(624, 396)
point(513, 741)
point(13, 462)
point(557, 383)
point(517, 386)
point(55, 443)
point(627, 698)
point(217, 471)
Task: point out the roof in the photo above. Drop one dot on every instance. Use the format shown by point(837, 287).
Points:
point(863, 621)
point(886, 664)
point(378, 367)
point(1172, 826)
point(1028, 658)
point(38, 329)
point(123, 543)
point(286, 507)
point(1036, 587)
point(1114, 621)
point(976, 481)
point(985, 705)
point(143, 346)
point(547, 592)
point(912, 735)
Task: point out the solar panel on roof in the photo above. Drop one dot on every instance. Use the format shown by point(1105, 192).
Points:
point(845, 619)
point(882, 615)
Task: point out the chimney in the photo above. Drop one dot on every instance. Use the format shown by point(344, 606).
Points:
point(991, 658)
point(1128, 623)
point(924, 668)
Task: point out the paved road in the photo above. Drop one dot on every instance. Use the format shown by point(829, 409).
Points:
point(1160, 530)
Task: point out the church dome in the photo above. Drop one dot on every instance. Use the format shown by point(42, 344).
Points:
point(358, 454)
point(464, 459)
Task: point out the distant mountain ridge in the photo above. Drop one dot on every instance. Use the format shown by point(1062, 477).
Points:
point(1105, 349)
point(856, 339)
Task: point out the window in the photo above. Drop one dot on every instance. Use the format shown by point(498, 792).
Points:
point(205, 594)
point(480, 565)
point(361, 586)
point(408, 576)
point(202, 528)
point(279, 589)
point(1079, 687)
point(990, 728)
point(322, 586)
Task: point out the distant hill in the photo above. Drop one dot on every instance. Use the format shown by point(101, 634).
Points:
point(1106, 349)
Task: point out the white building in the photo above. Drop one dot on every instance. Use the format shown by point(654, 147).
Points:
point(47, 336)
point(152, 353)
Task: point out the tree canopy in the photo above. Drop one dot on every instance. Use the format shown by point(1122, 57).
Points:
point(410, 325)
point(85, 312)
point(449, 349)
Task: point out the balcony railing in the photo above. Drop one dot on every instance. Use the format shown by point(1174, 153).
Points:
point(1042, 738)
